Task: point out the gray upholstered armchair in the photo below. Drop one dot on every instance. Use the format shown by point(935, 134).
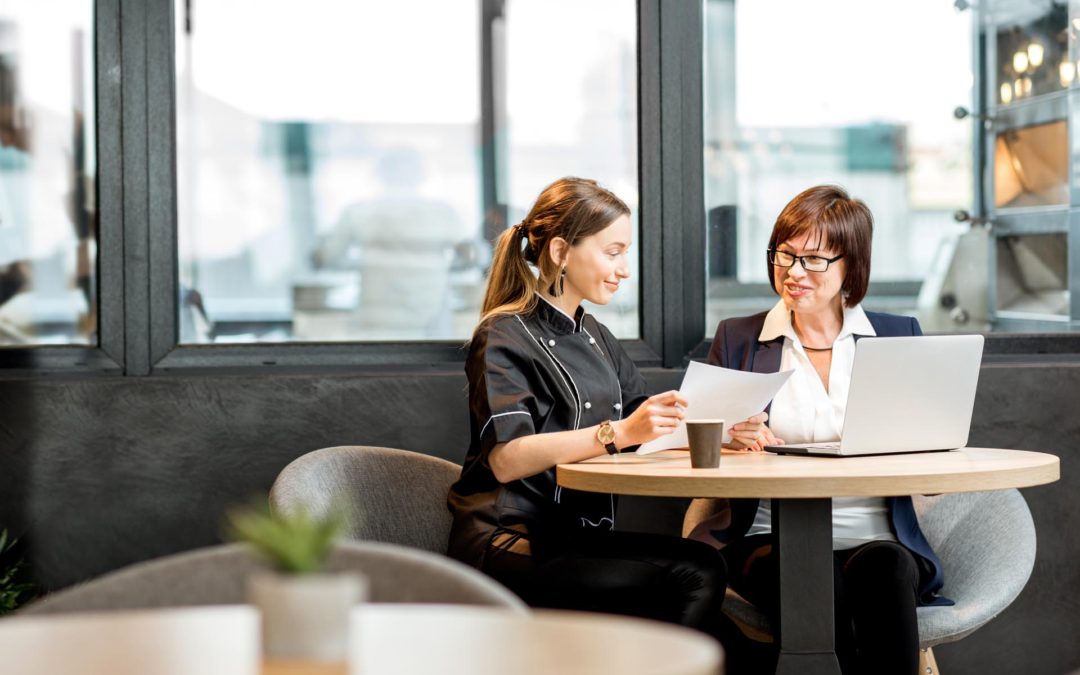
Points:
point(986, 542)
point(387, 495)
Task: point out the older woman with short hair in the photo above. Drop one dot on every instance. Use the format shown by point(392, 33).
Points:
point(819, 264)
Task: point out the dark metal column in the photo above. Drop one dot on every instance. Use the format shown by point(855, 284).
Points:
point(492, 114)
point(682, 163)
point(804, 549)
point(162, 248)
point(136, 186)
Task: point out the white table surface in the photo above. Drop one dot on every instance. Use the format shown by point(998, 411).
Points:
point(390, 639)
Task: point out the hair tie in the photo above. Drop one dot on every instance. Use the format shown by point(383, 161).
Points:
point(526, 245)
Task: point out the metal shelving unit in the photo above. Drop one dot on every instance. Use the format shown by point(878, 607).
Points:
point(1031, 141)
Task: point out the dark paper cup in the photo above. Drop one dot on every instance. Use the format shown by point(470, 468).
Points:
point(706, 438)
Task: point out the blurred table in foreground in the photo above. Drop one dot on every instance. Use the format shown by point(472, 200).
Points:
point(390, 639)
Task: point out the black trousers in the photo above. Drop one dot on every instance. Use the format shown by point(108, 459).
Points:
point(635, 574)
point(875, 587)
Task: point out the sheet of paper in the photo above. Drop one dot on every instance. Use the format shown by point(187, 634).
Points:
point(719, 393)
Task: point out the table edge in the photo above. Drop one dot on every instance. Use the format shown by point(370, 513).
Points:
point(572, 476)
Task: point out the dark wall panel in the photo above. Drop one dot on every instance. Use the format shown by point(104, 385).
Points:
point(100, 473)
point(1033, 408)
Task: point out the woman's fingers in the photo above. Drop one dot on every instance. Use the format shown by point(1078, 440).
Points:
point(663, 422)
point(752, 437)
point(756, 422)
point(771, 439)
point(670, 398)
point(667, 411)
point(741, 447)
point(749, 433)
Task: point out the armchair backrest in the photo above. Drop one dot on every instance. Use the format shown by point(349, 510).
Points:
point(387, 495)
point(217, 575)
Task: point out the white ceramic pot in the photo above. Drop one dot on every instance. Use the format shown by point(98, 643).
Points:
point(305, 617)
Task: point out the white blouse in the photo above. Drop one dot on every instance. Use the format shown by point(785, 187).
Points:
point(803, 412)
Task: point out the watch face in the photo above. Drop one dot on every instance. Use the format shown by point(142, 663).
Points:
point(606, 433)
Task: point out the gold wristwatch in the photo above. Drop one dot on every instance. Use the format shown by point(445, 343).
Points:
point(606, 435)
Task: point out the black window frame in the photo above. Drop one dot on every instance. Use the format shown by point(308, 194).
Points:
point(137, 253)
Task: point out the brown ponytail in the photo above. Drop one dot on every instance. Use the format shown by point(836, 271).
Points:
point(571, 208)
point(511, 286)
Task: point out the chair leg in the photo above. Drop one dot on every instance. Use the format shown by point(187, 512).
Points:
point(927, 662)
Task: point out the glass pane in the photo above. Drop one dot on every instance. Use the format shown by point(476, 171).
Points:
point(589, 127)
point(1032, 49)
point(1031, 166)
point(796, 97)
point(334, 190)
point(329, 187)
point(48, 167)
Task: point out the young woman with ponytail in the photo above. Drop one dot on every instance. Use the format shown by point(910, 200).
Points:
point(548, 384)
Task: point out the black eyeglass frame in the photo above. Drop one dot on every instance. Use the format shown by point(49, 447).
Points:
point(801, 259)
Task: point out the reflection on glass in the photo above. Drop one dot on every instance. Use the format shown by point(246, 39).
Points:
point(1035, 54)
point(589, 127)
point(1020, 62)
point(1031, 166)
point(1032, 43)
point(1067, 72)
point(1006, 92)
point(329, 187)
point(330, 173)
point(48, 227)
point(777, 122)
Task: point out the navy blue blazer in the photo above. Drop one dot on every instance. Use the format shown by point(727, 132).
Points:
point(736, 346)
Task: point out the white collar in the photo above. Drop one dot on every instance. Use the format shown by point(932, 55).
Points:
point(778, 324)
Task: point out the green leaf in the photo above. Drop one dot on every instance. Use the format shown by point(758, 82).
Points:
point(13, 590)
point(297, 543)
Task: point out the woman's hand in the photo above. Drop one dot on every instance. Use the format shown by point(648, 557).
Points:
point(658, 416)
point(752, 434)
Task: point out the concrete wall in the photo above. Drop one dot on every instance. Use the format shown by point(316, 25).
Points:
point(101, 472)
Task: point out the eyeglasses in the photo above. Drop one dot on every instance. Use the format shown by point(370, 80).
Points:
point(810, 263)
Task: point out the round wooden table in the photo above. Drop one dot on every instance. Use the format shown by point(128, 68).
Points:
point(802, 489)
point(384, 639)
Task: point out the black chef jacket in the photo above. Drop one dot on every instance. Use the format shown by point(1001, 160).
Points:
point(532, 374)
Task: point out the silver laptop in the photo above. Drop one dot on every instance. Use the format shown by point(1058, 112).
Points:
point(908, 394)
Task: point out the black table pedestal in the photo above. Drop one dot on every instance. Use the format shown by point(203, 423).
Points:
point(803, 529)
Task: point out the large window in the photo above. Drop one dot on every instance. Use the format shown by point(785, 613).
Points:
point(332, 174)
point(286, 175)
point(573, 111)
point(833, 91)
point(48, 231)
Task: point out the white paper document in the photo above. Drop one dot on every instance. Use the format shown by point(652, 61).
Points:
point(719, 393)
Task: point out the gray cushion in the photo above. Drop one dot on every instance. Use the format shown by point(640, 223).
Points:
point(218, 575)
point(986, 542)
point(387, 495)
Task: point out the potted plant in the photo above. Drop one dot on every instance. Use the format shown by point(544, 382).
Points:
point(304, 610)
